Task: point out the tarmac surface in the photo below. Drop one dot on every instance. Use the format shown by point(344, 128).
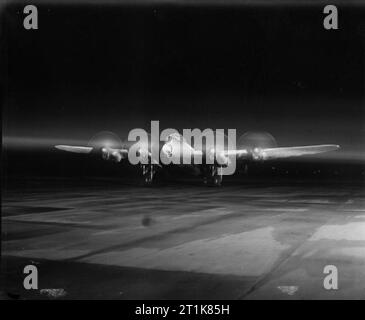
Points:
point(185, 241)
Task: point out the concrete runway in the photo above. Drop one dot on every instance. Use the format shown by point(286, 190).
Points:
point(186, 241)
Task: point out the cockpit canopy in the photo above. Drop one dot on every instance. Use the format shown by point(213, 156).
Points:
point(175, 137)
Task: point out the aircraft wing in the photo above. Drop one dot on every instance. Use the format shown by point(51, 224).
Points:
point(75, 149)
point(107, 153)
point(241, 153)
point(286, 152)
point(279, 153)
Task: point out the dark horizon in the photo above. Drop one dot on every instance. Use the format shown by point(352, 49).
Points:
point(89, 69)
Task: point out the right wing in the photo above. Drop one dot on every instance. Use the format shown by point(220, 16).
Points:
point(279, 153)
point(286, 152)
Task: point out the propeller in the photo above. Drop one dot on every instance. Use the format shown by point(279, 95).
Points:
point(255, 141)
point(105, 139)
point(109, 144)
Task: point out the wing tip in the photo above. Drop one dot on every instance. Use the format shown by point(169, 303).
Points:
point(335, 146)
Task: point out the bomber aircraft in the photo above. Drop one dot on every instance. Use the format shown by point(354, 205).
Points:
point(210, 160)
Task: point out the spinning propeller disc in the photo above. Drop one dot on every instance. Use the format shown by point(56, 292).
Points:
point(105, 139)
point(256, 139)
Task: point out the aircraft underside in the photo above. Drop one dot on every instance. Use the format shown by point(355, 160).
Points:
point(210, 173)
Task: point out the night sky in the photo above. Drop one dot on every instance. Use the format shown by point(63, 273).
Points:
point(265, 68)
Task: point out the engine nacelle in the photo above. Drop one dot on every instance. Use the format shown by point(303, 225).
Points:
point(111, 154)
point(258, 154)
point(143, 154)
point(218, 157)
point(222, 159)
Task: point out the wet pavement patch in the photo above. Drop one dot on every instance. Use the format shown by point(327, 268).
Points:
point(18, 230)
point(54, 293)
point(19, 210)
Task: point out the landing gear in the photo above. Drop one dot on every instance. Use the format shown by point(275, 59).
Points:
point(217, 180)
point(148, 173)
point(213, 176)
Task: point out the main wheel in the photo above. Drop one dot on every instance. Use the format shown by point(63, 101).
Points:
point(217, 180)
point(148, 174)
point(148, 181)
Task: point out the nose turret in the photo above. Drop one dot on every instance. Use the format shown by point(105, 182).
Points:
point(167, 149)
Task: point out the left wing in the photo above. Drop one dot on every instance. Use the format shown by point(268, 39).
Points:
point(106, 152)
point(75, 149)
